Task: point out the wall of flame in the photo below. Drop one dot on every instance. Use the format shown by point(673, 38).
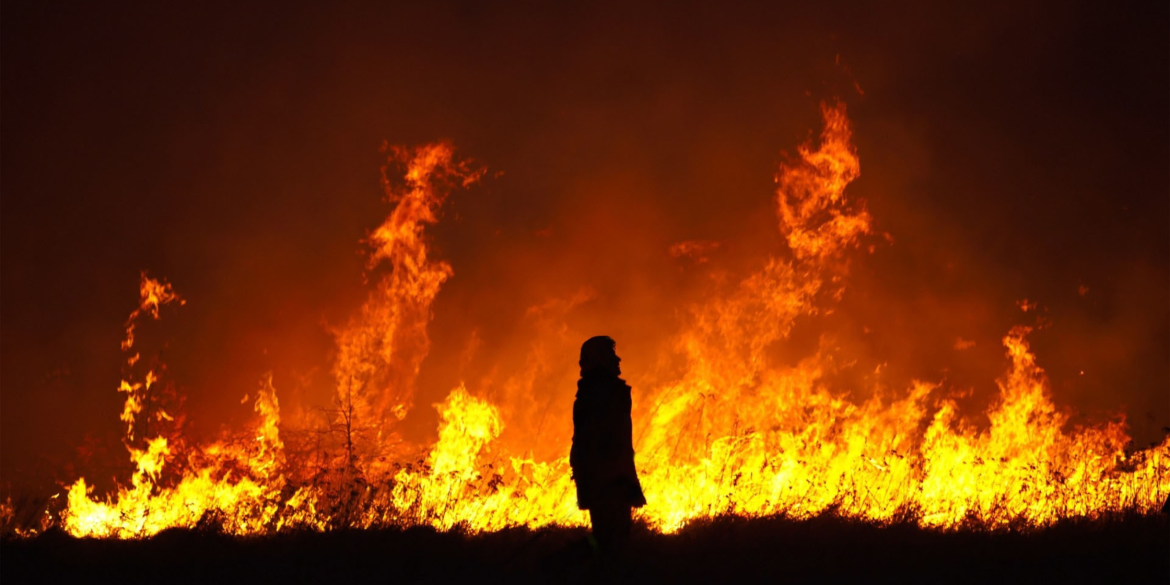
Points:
point(729, 418)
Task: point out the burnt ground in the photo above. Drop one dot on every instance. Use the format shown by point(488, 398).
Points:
point(727, 550)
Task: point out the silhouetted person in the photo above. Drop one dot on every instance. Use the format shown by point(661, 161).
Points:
point(602, 456)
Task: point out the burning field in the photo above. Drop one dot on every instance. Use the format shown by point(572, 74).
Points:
point(812, 370)
point(731, 433)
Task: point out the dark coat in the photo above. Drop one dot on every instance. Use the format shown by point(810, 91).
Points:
point(602, 456)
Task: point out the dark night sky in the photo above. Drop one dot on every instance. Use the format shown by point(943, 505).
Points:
point(1011, 151)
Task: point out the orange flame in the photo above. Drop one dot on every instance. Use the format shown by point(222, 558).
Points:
point(735, 433)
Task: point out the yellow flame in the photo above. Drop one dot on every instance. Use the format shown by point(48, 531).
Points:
point(734, 434)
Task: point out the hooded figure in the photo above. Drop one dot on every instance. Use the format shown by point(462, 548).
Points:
point(602, 456)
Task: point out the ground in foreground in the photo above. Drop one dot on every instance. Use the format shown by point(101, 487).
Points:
point(726, 550)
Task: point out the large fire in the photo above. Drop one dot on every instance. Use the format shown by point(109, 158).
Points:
point(733, 432)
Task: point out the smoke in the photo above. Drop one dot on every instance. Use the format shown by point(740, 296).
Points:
point(1008, 154)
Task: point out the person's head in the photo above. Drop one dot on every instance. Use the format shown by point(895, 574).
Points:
point(598, 356)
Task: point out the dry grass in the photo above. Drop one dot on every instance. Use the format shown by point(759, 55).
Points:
point(827, 548)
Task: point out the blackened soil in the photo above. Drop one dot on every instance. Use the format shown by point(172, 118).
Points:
point(726, 550)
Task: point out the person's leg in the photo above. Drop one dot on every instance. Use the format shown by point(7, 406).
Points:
point(601, 518)
point(623, 521)
point(611, 527)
